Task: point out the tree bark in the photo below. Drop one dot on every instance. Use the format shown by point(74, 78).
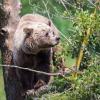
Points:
point(9, 18)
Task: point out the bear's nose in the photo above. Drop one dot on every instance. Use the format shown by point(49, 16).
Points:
point(58, 38)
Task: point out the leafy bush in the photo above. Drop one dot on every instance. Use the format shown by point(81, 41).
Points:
point(85, 87)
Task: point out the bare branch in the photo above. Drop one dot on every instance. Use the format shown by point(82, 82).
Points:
point(28, 69)
point(68, 71)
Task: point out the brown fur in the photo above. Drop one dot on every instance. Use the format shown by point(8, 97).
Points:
point(42, 35)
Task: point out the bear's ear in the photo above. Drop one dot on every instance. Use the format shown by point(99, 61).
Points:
point(49, 23)
point(28, 30)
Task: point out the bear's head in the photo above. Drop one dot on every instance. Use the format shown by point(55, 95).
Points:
point(36, 37)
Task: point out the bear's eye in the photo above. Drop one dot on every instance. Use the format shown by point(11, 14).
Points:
point(53, 33)
point(46, 34)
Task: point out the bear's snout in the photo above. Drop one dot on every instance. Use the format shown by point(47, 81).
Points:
point(57, 39)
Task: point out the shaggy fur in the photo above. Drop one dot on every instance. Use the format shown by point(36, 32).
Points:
point(33, 41)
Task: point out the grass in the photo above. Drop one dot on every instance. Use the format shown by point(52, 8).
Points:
point(2, 93)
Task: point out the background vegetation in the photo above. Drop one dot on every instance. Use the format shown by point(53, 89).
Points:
point(73, 18)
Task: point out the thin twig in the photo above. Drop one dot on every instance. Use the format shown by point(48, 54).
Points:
point(32, 70)
point(91, 3)
point(63, 4)
point(45, 4)
point(42, 72)
point(30, 3)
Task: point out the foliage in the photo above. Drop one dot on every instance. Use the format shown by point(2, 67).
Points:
point(73, 18)
point(86, 87)
point(82, 22)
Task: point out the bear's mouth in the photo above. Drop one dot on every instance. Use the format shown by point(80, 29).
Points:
point(48, 45)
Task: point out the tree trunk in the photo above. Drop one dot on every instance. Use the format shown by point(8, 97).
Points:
point(9, 18)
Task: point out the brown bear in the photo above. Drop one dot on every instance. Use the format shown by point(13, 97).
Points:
point(33, 41)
